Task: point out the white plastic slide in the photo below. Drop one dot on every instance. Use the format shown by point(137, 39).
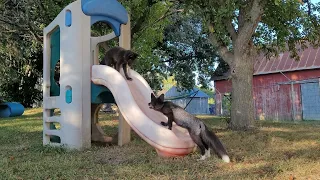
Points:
point(132, 98)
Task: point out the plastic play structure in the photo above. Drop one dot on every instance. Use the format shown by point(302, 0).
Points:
point(11, 109)
point(84, 85)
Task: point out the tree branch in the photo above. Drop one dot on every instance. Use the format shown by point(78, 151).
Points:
point(169, 60)
point(233, 33)
point(241, 17)
point(223, 51)
point(12, 24)
point(178, 59)
point(247, 25)
point(167, 14)
point(226, 75)
point(142, 19)
point(28, 28)
point(35, 35)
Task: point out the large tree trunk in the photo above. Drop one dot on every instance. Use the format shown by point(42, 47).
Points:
point(242, 109)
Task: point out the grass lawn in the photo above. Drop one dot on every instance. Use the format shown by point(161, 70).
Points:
point(273, 151)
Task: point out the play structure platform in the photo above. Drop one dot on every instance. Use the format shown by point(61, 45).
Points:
point(132, 98)
point(84, 85)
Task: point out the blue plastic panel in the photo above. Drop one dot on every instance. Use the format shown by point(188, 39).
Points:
point(101, 94)
point(68, 20)
point(115, 25)
point(69, 96)
point(109, 11)
point(107, 8)
point(54, 59)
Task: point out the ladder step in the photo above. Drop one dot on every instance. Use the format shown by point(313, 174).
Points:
point(53, 119)
point(52, 132)
point(50, 102)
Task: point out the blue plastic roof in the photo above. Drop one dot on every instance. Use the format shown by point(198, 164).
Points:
point(109, 11)
point(173, 92)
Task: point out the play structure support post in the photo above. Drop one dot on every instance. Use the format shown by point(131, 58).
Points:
point(124, 128)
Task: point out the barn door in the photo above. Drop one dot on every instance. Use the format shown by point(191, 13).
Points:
point(310, 93)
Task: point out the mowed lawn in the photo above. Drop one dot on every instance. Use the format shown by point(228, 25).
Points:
point(273, 151)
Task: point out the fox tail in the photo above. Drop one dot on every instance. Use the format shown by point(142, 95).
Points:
point(214, 143)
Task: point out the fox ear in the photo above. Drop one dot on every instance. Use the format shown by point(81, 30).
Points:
point(132, 55)
point(152, 96)
point(161, 97)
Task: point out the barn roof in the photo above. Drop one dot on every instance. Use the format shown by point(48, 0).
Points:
point(309, 59)
point(174, 92)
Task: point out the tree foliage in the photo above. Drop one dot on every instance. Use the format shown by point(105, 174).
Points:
point(21, 26)
point(186, 52)
point(243, 30)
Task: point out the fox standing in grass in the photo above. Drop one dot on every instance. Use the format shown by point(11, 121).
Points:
point(198, 131)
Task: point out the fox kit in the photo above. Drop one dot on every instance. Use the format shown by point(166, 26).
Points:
point(198, 131)
point(117, 57)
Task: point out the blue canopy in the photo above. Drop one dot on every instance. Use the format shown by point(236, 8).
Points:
point(109, 11)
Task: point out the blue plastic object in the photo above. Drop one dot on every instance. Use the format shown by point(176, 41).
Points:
point(109, 11)
point(115, 25)
point(101, 94)
point(11, 109)
point(68, 18)
point(54, 59)
point(69, 96)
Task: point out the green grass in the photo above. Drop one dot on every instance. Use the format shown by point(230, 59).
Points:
point(273, 151)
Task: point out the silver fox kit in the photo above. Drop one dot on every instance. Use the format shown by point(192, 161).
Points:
point(118, 57)
point(198, 131)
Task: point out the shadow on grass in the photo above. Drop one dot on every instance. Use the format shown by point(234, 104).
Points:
point(266, 153)
point(16, 137)
point(24, 117)
point(33, 115)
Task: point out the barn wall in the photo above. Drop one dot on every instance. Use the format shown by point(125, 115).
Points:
point(275, 103)
point(272, 97)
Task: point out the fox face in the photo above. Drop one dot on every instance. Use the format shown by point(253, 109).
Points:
point(156, 103)
point(129, 57)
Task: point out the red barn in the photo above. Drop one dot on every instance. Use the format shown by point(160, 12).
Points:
point(283, 89)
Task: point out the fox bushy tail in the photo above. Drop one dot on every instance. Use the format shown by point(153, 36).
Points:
point(214, 143)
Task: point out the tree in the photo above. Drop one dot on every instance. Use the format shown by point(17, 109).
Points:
point(244, 30)
point(168, 83)
point(186, 52)
point(21, 25)
point(148, 21)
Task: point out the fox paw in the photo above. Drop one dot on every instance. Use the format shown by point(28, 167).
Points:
point(207, 153)
point(202, 158)
point(164, 124)
point(128, 78)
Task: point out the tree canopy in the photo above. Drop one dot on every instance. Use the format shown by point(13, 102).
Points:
point(183, 38)
point(241, 31)
point(21, 26)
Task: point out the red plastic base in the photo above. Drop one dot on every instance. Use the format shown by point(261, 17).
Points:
point(167, 154)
